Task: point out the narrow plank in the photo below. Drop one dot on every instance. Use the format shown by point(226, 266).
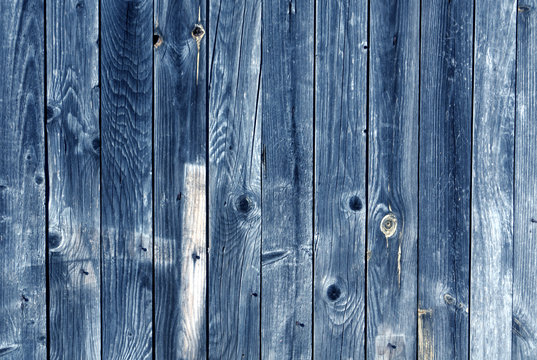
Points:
point(393, 179)
point(287, 179)
point(525, 218)
point(492, 179)
point(340, 179)
point(235, 183)
point(126, 195)
point(180, 181)
point(22, 181)
point(74, 177)
point(444, 178)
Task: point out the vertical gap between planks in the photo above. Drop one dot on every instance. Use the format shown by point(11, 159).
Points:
point(470, 232)
point(313, 181)
point(367, 171)
point(418, 202)
point(153, 292)
point(100, 185)
point(207, 174)
point(514, 171)
point(259, 91)
point(47, 182)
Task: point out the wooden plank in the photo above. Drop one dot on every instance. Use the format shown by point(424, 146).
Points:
point(235, 183)
point(22, 181)
point(74, 177)
point(340, 179)
point(287, 179)
point(492, 179)
point(393, 179)
point(444, 178)
point(180, 181)
point(127, 246)
point(525, 218)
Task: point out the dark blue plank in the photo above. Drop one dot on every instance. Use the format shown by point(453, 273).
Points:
point(492, 179)
point(287, 177)
point(126, 127)
point(180, 181)
point(525, 217)
point(340, 179)
point(235, 184)
point(445, 175)
point(393, 179)
point(22, 181)
point(74, 176)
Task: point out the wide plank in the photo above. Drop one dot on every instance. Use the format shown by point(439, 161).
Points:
point(393, 179)
point(235, 179)
point(525, 205)
point(444, 179)
point(180, 139)
point(492, 179)
point(126, 194)
point(73, 136)
point(23, 312)
point(340, 179)
point(287, 179)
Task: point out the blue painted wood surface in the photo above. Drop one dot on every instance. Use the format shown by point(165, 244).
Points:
point(444, 179)
point(73, 139)
point(235, 179)
point(126, 179)
point(280, 180)
point(179, 160)
point(340, 179)
point(23, 285)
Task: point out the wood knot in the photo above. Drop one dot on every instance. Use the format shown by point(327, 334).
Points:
point(157, 40)
point(54, 240)
point(198, 32)
point(388, 225)
point(333, 292)
point(243, 204)
point(355, 204)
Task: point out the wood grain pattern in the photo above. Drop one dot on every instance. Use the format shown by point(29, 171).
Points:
point(287, 179)
point(393, 179)
point(74, 176)
point(524, 323)
point(180, 182)
point(492, 179)
point(444, 178)
point(126, 127)
point(340, 179)
point(22, 181)
point(235, 183)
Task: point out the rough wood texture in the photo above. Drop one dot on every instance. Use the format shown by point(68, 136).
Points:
point(74, 177)
point(445, 175)
point(126, 105)
point(287, 179)
point(22, 181)
point(525, 218)
point(340, 179)
point(393, 179)
point(492, 180)
point(235, 184)
point(180, 182)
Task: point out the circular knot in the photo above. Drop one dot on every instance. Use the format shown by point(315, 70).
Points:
point(388, 225)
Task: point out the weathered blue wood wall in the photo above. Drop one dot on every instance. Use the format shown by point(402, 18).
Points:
point(248, 179)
